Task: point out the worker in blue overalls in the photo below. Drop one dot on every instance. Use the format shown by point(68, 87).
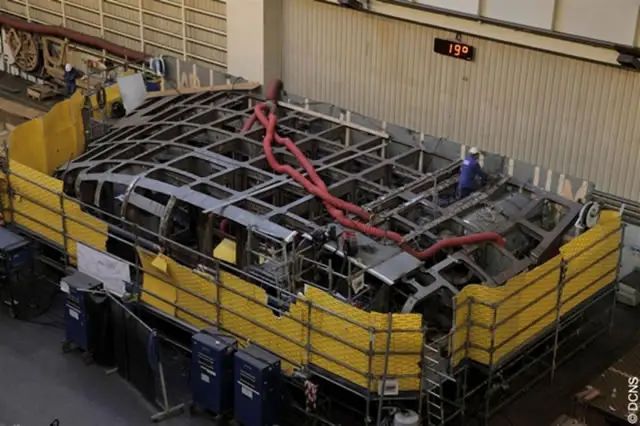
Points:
point(70, 75)
point(469, 174)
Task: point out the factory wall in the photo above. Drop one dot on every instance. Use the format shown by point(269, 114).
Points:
point(613, 21)
point(545, 109)
point(189, 29)
point(191, 74)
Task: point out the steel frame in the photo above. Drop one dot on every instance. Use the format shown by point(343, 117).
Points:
point(62, 264)
point(189, 148)
point(131, 155)
point(439, 408)
point(474, 403)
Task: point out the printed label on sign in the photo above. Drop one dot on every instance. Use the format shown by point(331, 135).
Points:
point(204, 378)
point(247, 392)
point(73, 314)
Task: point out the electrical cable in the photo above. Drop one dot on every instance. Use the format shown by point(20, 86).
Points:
point(334, 205)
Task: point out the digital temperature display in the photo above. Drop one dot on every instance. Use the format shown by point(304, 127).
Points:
point(454, 49)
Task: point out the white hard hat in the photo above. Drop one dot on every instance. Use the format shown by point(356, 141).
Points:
point(474, 151)
point(68, 67)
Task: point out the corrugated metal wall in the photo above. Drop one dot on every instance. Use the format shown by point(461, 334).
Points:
point(576, 117)
point(189, 29)
point(605, 20)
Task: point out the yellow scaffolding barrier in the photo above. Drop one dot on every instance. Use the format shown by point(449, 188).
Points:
point(491, 324)
point(317, 331)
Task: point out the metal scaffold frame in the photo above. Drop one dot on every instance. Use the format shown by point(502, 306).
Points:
point(440, 408)
point(536, 358)
point(373, 402)
point(446, 382)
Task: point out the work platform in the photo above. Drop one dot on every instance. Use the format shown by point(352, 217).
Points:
point(216, 235)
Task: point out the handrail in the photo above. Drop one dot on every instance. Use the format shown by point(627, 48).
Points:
point(462, 344)
point(308, 346)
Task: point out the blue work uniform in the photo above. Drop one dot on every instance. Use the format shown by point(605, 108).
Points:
point(469, 172)
point(70, 81)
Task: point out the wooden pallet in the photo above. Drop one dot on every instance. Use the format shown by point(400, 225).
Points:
point(42, 92)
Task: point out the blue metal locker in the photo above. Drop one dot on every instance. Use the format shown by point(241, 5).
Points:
point(212, 371)
point(77, 321)
point(257, 387)
point(15, 255)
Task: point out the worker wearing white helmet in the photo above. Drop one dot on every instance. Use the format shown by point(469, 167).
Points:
point(469, 174)
point(70, 75)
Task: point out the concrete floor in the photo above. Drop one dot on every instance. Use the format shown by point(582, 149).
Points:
point(549, 399)
point(38, 383)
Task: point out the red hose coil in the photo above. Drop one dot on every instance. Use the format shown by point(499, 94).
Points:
point(335, 206)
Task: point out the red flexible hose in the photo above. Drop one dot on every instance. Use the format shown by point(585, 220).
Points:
point(75, 36)
point(333, 204)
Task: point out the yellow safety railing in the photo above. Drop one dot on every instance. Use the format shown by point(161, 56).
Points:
point(317, 331)
point(491, 324)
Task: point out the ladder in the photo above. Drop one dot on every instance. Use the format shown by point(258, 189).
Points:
point(434, 376)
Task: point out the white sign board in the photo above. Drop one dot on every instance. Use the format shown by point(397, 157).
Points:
point(133, 91)
point(112, 272)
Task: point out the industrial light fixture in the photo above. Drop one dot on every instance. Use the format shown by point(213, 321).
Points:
point(629, 61)
point(628, 57)
point(352, 4)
